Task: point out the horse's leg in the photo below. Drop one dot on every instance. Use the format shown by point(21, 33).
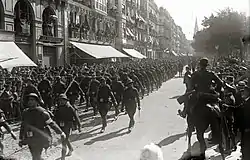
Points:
point(200, 137)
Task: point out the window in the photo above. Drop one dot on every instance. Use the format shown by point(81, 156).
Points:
point(101, 5)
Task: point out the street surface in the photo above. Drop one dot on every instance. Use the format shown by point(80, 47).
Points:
point(158, 123)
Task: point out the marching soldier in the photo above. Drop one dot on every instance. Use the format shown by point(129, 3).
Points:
point(30, 88)
point(103, 100)
point(92, 92)
point(65, 115)
point(117, 88)
point(6, 101)
point(34, 131)
point(85, 86)
point(45, 89)
point(58, 88)
point(130, 99)
point(73, 91)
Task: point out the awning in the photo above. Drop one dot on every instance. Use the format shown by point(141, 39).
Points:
point(134, 53)
point(12, 56)
point(99, 51)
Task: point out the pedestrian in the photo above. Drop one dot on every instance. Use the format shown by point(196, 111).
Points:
point(34, 130)
point(64, 116)
point(130, 100)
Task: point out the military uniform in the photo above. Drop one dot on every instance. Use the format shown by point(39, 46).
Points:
point(130, 100)
point(92, 92)
point(103, 100)
point(45, 89)
point(64, 116)
point(34, 131)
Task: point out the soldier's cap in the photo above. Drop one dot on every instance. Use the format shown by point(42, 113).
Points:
point(33, 95)
point(63, 96)
point(241, 84)
point(129, 82)
point(204, 62)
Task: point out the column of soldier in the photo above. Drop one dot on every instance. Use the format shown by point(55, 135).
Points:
point(43, 97)
point(234, 103)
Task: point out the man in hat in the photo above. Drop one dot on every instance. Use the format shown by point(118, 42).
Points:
point(187, 78)
point(65, 115)
point(104, 95)
point(34, 131)
point(130, 100)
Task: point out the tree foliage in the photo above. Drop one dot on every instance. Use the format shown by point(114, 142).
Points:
point(224, 30)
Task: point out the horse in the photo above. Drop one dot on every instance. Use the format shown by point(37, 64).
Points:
point(202, 114)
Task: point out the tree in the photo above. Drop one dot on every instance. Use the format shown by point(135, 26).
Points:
point(225, 29)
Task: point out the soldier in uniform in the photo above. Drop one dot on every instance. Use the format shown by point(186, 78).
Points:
point(130, 99)
point(73, 91)
point(30, 88)
point(92, 92)
point(58, 88)
point(85, 86)
point(103, 101)
point(34, 131)
point(45, 89)
point(64, 116)
point(117, 88)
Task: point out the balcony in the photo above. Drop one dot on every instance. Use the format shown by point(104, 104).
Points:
point(50, 39)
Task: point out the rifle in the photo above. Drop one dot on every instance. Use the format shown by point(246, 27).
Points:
point(182, 98)
point(70, 85)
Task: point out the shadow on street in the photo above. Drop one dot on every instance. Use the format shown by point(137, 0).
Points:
point(108, 136)
point(170, 139)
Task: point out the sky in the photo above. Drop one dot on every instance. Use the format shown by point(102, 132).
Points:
point(184, 12)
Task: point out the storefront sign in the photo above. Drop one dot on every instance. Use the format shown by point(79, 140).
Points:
point(50, 39)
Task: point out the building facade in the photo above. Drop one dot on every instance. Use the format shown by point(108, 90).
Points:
point(43, 29)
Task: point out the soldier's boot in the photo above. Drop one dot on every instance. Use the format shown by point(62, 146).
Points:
point(104, 124)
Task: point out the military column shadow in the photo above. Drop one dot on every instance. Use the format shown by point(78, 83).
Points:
point(108, 136)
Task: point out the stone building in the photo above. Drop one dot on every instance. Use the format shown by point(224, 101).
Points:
point(36, 27)
point(46, 30)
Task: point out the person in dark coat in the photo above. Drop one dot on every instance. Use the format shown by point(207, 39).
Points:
point(65, 115)
point(103, 101)
point(74, 91)
point(117, 88)
point(130, 100)
point(34, 131)
point(58, 88)
point(45, 89)
point(92, 92)
point(85, 86)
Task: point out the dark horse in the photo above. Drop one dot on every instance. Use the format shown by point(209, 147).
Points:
point(204, 114)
